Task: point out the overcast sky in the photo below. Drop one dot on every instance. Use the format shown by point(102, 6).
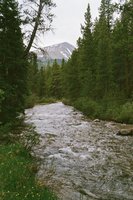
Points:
point(69, 17)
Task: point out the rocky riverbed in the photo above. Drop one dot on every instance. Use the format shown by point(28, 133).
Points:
point(80, 158)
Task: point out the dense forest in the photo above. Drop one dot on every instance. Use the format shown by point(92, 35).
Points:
point(97, 79)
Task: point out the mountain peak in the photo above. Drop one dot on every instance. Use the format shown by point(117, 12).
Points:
point(57, 51)
point(60, 44)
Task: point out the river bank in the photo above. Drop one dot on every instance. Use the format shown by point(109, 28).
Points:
point(18, 169)
point(106, 109)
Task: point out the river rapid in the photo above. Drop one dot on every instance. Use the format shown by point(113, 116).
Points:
point(81, 159)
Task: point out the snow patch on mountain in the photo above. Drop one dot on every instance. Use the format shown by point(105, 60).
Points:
point(65, 55)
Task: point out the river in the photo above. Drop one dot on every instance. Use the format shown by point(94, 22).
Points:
point(81, 159)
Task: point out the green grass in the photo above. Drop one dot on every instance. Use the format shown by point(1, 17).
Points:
point(17, 175)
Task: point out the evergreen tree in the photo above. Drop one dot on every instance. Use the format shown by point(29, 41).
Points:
point(122, 51)
point(103, 59)
point(41, 88)
point(71, 77)
point(48, 80)
point(13, 68)
point(106, 12)
point(63, 88)
point(33, 75)
point(86, 55)
point(55, 88)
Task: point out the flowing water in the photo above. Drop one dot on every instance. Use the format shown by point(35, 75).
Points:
point(81, 159)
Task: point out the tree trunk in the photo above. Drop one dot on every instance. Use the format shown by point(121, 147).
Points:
point(34, 30)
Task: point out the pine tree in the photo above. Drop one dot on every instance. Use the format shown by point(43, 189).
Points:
point(71, 77)
point(103, 48)
point(48, 80)
point(13, 68)
point(86, 55)
point(106, 12)
point(33, 74)
point(63, 87)
point(41, 85)
point(122, 51)
point(55, 88)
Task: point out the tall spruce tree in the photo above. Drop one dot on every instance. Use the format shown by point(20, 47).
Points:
point(102, 42)
point(13, 68)
point(41, 85)
point(123, 49)
point(33, 74)
point(86, 55)
point(55, 88)
point(71, 77)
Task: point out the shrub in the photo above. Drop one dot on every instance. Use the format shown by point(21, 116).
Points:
point(66, 101)
point(88, 106)
point(126, 113)
point(31, 100)
point(5, 131)
point(110, 110)
point(47, 100)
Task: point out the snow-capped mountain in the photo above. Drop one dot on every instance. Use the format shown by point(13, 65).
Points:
point(58, 51)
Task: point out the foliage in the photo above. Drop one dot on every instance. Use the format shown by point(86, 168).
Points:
point(47, 100)
point(69, 77)
point(31, 100)
point(104, 110)
point(88, 107)
point(13, 68)
point(1, 97)
point(126, 113)
point(5, 131)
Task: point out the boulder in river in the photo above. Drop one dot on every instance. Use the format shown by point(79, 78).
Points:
point(96, 120)
point(125, 132)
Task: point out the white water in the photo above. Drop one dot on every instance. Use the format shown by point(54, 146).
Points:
point(81, 159)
